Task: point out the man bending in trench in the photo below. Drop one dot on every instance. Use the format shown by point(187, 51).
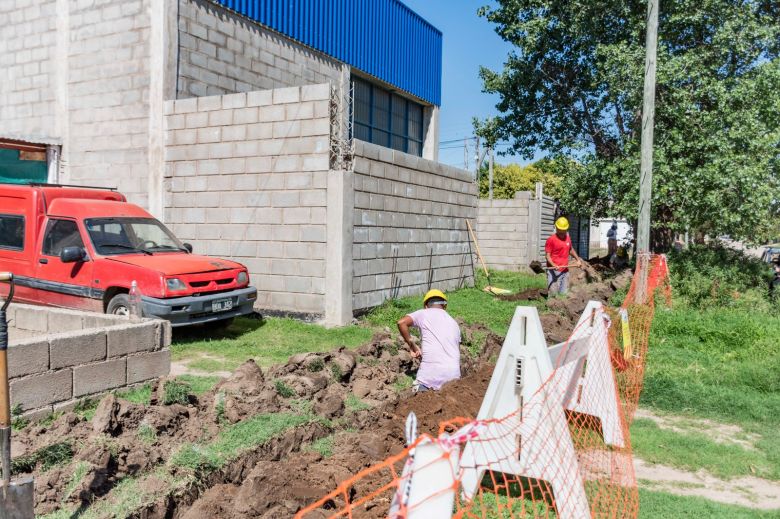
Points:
point(440, 336)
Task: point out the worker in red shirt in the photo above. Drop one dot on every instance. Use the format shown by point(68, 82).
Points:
point(558, 249)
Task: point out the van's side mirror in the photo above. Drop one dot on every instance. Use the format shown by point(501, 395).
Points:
point(188, 246)
point(72, 254)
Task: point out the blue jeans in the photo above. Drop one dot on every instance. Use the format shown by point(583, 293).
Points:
point(557, 282)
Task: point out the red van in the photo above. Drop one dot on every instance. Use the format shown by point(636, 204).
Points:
point(82, 248)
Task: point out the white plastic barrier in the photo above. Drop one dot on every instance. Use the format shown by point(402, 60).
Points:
point(532, 439)
point(583, 372)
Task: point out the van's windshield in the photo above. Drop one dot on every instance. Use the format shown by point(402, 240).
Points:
point(131, 235)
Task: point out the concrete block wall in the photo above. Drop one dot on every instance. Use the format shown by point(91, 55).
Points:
point(57, 357)
point(221, 52)
point(27, 40)
point(80, 74)
point(246, 179)
point(409, 223)
point(504, 233)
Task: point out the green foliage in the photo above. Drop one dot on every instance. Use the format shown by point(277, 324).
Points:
point(46, 457)
point(283, 389)
point(717, 276)
point(176, 392)
point(509, 179)
point(573, 86)
point(50, 418)
point(219, 408)
point(234, 440)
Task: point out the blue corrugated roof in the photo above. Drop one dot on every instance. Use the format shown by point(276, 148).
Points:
point(383, 38)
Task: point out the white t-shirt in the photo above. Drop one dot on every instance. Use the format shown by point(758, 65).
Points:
point(440, 347)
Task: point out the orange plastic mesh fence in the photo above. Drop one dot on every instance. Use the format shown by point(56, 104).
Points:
point(570, 464)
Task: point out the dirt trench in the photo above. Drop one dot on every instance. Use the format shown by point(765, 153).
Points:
point(277, 478)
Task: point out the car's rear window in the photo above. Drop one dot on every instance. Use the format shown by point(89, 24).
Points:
point(11, 231)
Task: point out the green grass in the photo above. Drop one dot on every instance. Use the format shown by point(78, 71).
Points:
point(235, 439)
point(138, 395)
point(473, 305)
point(693, 451)
point(147, 434)
point(270, 341)
point(354, 404)
point(176, 392)
point(47, 457)
point(661, 505)
point(324, 446)
point(722, 364)
point(199, 384)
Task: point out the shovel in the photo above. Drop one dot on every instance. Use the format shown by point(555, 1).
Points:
point(16, 497)
point(539, 269)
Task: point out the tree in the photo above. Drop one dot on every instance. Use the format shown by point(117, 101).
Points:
point(511, 178)
point(573, 87)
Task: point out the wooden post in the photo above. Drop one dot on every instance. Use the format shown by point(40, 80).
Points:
point(648, 117)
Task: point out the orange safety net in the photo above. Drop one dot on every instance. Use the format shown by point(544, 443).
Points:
point(547, 458)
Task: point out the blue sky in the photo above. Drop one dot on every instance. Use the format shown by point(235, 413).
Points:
point(469, 41)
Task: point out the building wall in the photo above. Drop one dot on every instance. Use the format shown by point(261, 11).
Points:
point(221, 53)
point(246, 178)
point(409, 230)
point(58, 357)
point(27, 40)
point(81, 76)
point(503, 232)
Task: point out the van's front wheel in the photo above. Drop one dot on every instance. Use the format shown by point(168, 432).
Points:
point(119, 305)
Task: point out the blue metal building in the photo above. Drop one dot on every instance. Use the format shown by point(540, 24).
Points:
point(382, 38)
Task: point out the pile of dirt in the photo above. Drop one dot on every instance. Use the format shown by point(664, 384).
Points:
point(532, 294)
point(274, 480)
point(279, 488)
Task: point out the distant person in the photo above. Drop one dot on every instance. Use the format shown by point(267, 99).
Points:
point(558, 249)
point(440, 337)
point(774, 285)
point(612, 239)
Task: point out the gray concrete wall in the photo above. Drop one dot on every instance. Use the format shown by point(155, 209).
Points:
point(27, 41)
point(80, 75)
point(246, 178)
point(222, 53)
point(409, 228)
point(58, 357)
point(504, 232)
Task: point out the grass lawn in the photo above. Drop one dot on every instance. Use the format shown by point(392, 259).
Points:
point(274, 340)
point(721, 364)
point(660, 505)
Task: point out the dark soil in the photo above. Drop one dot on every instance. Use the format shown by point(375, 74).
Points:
point(278, 478)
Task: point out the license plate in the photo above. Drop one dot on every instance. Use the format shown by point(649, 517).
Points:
point(222, 305)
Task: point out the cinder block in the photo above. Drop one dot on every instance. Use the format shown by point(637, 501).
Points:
point(315, 92)
point(76, 348)
point(28, 358)
point(41, 390)
point(146, 366)
point(101, 376)
point(132, 338)
point(259, 98)
point(32, 319)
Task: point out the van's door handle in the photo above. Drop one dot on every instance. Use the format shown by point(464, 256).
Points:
point(43, 260)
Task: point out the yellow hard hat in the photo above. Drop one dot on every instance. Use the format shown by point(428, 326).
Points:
point(562, 224)
point(433, 293)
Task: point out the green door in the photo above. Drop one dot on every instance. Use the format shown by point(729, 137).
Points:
point(13, 170)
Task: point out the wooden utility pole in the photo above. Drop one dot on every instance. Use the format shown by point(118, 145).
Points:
point(490, 174)
point(648, 117)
